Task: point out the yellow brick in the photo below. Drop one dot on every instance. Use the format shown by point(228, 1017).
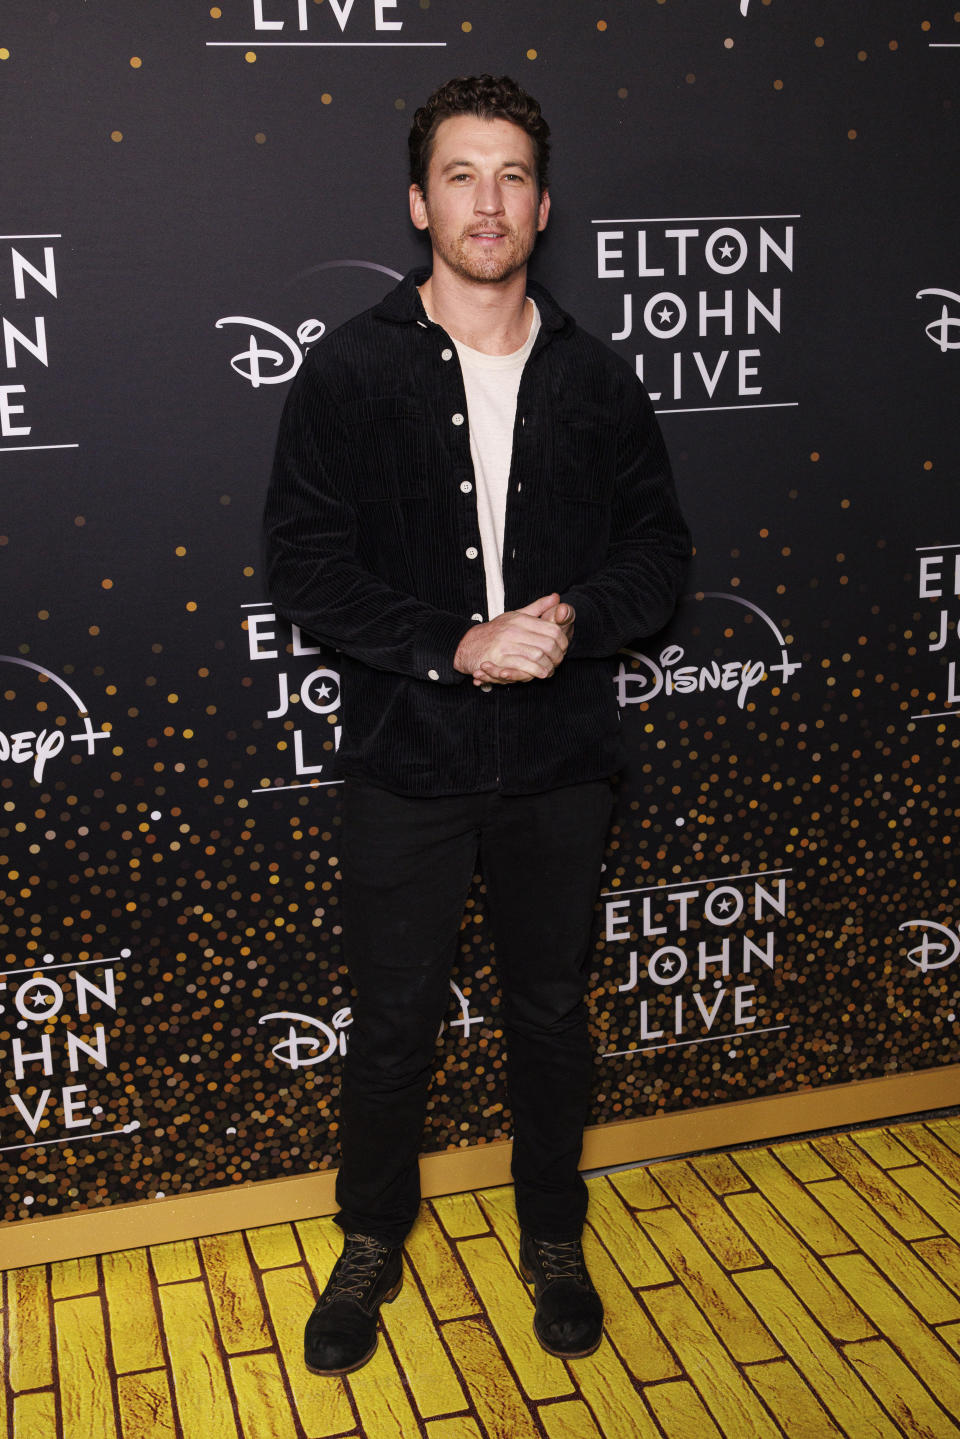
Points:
point(420, 1352)
point(233, 1291)
point(894, 1257)
point(943, 1256)
point(134, 1332)
point(936, 1198)
point(4, 1350)
point(950, 1334)
point(381, 1400)
point(882, 1147)
point(498, 1401)
point(628, 1328)
point(35, 1415)
point(570, 1419)
point(803, 1161)
point(792, 1403)
point(323, 1405)
point(69, 1277)
point(31, 1363)
point(86, 1407)
point(174, 1261)
point(507, 1300)
point(947, 1130)
point(273, 1246)
point(899, 1390)
point(791, 1199)
point(936, 1155)
point(261, 1398)
point(461, 1428)
point(827, 1373)
point(720, 1173)
point(322, 1242)
point(617, 1228)
point(877, 1186)
point(499, 1207)
point(679, 1411)
point(800, 1268)
point(725, 1239)
point(146, 1409)
point(921, 1348)
point(196, 1363)
point(435, 1260)
point(609, 1390)
point(460, 1215)
point(731, 1401)
point(639, 1188)
point(709, 1287)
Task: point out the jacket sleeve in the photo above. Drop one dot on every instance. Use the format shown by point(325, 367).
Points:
point(314, 575)
point(636, 590)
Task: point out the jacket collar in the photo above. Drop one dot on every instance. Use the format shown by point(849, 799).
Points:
point(404, 306)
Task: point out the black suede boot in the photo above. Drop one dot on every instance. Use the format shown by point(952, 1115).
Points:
point(341, 1333)
point(568, 1320)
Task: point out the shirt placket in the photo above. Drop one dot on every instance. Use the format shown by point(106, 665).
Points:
point(456, 430)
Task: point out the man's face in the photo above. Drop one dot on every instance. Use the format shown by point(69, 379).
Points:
point(481, 206)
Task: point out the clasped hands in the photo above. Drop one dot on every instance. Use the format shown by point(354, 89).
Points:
point(519, 645)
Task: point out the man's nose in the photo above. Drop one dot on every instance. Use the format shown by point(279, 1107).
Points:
point(487, 197)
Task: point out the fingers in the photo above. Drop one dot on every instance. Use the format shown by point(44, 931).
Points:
point(495, 676)
point(528, 667)
point(539, 607)
point(562, 614)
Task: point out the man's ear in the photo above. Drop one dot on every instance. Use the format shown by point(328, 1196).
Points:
point(418, 207)
point(543, 210)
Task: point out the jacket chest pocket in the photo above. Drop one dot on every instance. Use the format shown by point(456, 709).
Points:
point(392, 445)
point(584, 443)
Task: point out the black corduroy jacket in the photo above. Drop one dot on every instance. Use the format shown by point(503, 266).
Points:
point(374, 546)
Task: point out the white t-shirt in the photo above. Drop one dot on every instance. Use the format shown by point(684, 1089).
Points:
point(491, 383)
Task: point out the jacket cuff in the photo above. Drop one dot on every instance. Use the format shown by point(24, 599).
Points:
point(436, 647)
point(586, 626)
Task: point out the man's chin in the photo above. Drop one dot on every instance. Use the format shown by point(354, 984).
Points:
point(490, 271)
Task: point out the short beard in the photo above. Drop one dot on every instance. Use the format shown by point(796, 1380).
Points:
point(487, 269)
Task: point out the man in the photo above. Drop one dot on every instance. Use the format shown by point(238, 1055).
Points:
point(472, 501)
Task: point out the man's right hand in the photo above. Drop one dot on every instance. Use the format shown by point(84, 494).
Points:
point(517, 646)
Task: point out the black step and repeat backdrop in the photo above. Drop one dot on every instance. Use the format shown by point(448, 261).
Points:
point(756, 204)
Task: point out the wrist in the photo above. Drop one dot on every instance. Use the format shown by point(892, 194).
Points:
point(461, 663)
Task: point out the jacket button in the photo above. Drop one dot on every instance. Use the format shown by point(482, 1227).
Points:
point(472, 552)
point(465, 487)
point(478, 618)
point(433, 675)
point(457, 418)
point(446, 354)
point(486, 688)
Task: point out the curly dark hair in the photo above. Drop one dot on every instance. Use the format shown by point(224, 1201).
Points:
point(490, 98)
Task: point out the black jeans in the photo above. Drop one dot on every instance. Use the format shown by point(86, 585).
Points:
point(407, 865)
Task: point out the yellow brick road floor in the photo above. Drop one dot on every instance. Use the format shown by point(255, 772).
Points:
point(807, 1289)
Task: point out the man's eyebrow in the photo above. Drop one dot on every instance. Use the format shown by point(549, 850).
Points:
point(472, 165)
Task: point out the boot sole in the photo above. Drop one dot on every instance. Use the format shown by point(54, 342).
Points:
point(388, 1298)
point(568, 1353)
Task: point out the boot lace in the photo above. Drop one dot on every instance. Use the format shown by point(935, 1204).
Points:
point(357, 1268)
point(563, 1261)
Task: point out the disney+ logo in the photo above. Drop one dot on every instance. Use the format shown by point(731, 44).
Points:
point(937, 949)
point(946, 325)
